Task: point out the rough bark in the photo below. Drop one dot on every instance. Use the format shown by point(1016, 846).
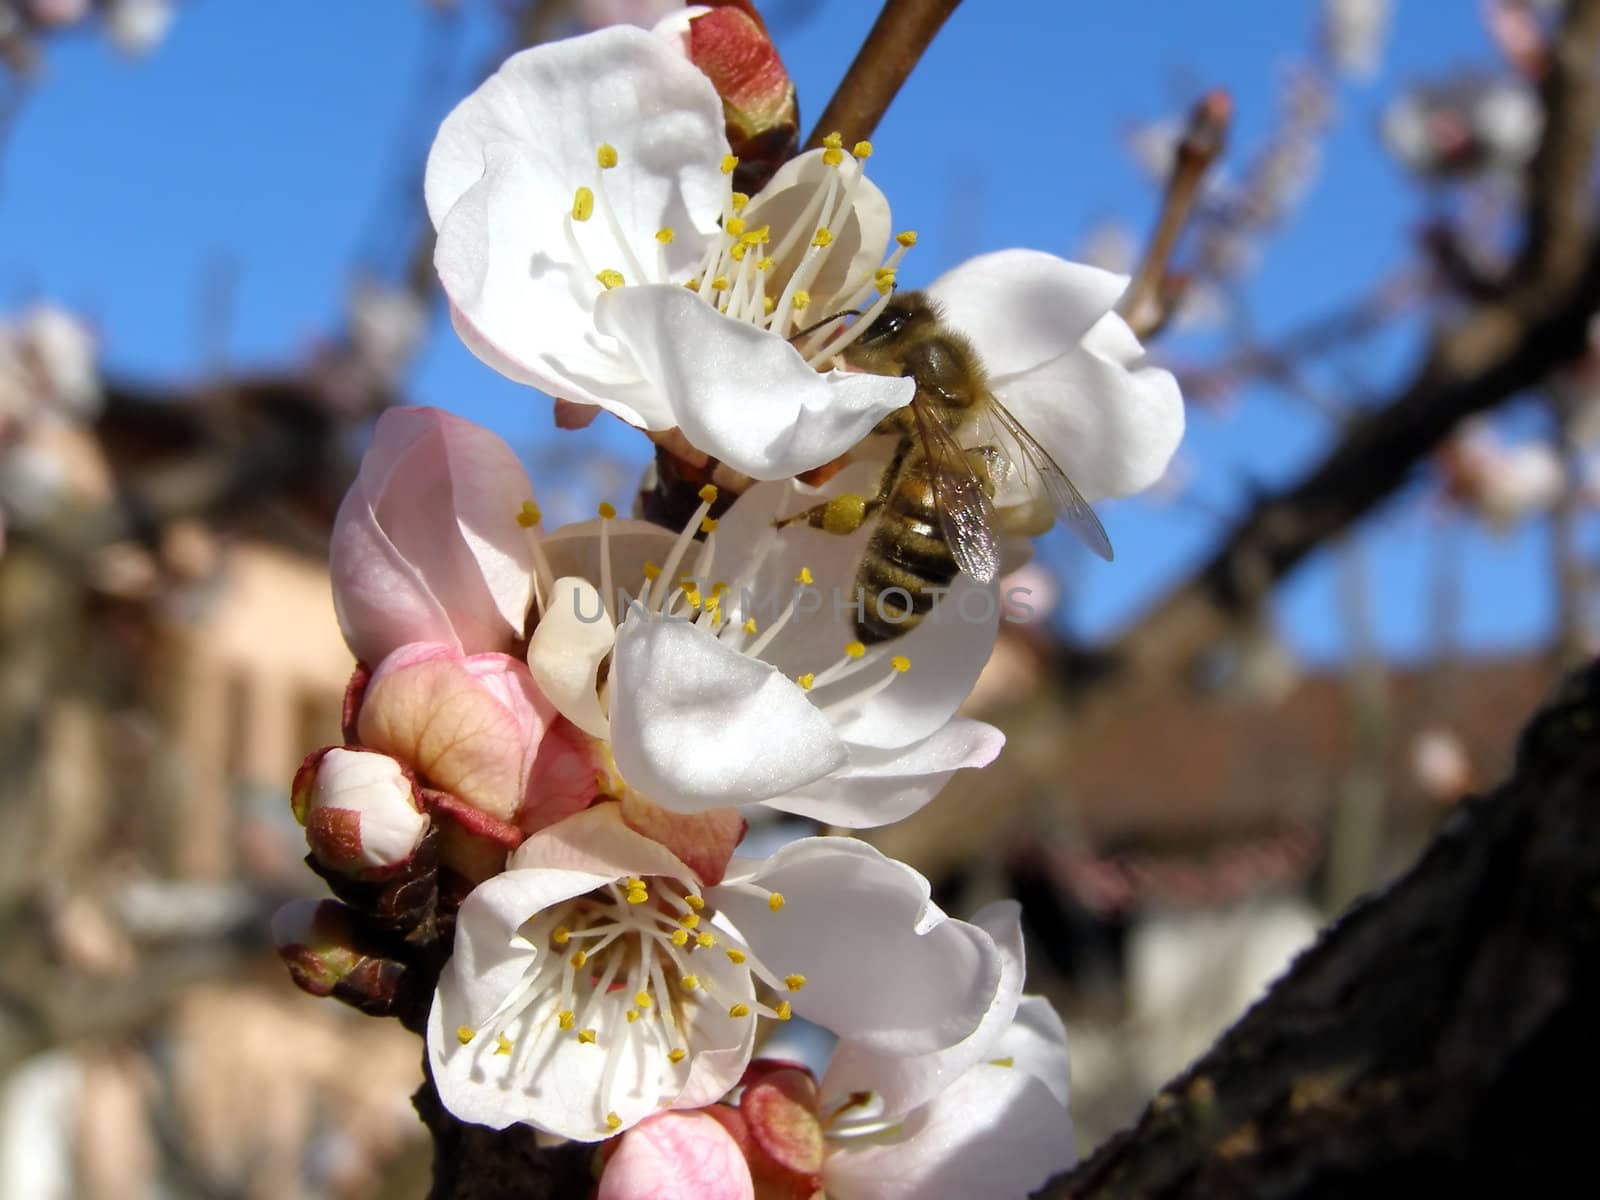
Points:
point(1439, 1039)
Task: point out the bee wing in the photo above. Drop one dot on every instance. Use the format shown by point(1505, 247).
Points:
point(1071, 509)
point(966, 514)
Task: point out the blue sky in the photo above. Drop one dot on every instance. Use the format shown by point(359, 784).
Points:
point(282, 142)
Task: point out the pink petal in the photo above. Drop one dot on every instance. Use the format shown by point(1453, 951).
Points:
point(677, 1156)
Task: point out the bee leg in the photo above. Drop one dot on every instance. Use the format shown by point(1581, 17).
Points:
point(842, 515)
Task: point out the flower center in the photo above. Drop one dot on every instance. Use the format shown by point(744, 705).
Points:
point(636, 970)
point(736, 611)
point(751, 272)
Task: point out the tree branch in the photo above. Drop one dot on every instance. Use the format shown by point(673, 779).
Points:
point(897, 41)
point(1436, 1037)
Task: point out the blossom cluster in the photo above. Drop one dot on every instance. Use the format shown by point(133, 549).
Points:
point(575, 727)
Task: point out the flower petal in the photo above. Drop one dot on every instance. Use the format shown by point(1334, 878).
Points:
point(1024, 307)
point(742, 394)
point(877, 787)
point(1110, 422)
point(994, 1132)
point(573, 637)
point(425, 546)
point(688, 714)
point(500, 185)
point(903, 1082)
point(884, 966)
point(677, 1156)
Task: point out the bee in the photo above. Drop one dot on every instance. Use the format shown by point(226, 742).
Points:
point(934, 507)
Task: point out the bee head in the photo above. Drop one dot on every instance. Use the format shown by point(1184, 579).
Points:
point(905, 314)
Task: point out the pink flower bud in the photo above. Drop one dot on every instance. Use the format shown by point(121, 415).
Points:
point(426, 545)
point(731, 46)
point(361, 812)
point(474, 726)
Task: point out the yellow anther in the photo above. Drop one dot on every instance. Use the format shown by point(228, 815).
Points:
point(676, 1055)
point(565, 1018)
point(855, 649)
point(794, 982)
point(579, 957)
point(642, 999)
point(561, 936)
point(729, 162)
point(883, 273)
point(801, 299)
point(607, 509)
point(765, 264)
point(805, 681)
point(586, 1037)
point(582, 204)
point(884, 283)
point(775, 901)
point(665, 234)
point(638, 895)
point(738, 201)
point(719, 284)
point(834, 140)
point(739, 1010)
point(613, 1121)
point(635, 881)
point(738, 251)
point(689, 920)
point(900, 663)
point(705, 940)
point(768, 303)
point(907, 237)
point(610, 279)
point(502, 1044)
point(824, 237)
point(695, 902)
point(750, 626)
point(833, 156)
point(805, 577)
point(651, 571)
point(680, 937)
point(1008, 1061)
point(708, 494)
point(708, 524)
point(692, 284)
point(719, 588)
point(632, 1015)
point(733, 226)
point(465, 1034)
point(606, 156)
point(862, 149)
point(783, 1011)
point(735, 956)
point(690, 982)
point(529, 515)
point(758, 237)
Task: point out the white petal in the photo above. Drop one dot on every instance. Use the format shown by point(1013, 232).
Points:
point(1111, 422)
point(902, 1082)
point(1037, 1043)
point(1024, 307)
point(573, 637)
point(877, 787)
point(696, 725)
point(742, 394)
point(996, 1132)
point(884, 966)
point(500, 184)
point(948, 649)
point(859, 241)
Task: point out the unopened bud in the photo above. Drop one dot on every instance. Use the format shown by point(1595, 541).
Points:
point(730, 44)
point(326, 956)
point(361, 811)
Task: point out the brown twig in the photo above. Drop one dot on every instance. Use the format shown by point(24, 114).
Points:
point(897, 41)
point(1151, 297)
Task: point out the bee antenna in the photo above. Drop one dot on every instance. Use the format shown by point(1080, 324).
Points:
point(849, 312)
